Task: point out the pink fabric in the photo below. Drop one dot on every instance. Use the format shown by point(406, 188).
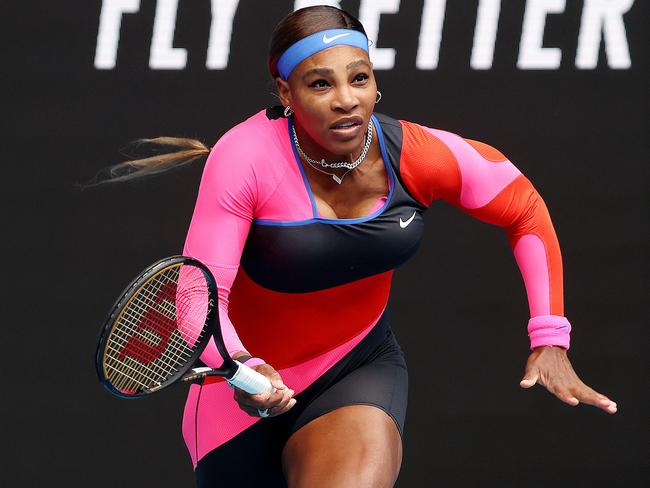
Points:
point(241, 182)
point(191, 312)
point(549, 330)
point(530, 255)
point(219, 418)
point(482, 180)
point(224, 275)
point(234, 189)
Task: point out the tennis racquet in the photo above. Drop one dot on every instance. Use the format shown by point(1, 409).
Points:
point(158, 328)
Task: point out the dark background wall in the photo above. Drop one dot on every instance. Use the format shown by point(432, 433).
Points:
point(458, 308)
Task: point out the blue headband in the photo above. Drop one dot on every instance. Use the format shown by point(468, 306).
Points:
point(315, 43)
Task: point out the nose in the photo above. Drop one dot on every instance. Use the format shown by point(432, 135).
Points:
point(345, 99)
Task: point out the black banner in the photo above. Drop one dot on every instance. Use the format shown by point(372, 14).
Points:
point(558, 86)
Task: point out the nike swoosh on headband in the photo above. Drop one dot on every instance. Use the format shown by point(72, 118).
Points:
point(327, 40)
point(315, 43)
point(403, 224)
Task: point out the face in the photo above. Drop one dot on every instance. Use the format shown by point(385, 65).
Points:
point(332, 94)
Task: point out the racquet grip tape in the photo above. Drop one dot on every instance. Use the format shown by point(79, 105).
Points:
point(250, 381)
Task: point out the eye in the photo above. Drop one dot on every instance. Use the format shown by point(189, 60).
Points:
point(319, 84)
point(360, 78)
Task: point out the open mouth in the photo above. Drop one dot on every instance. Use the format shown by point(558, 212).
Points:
point(347, 123)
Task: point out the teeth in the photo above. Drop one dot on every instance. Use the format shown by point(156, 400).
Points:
point(347, 124)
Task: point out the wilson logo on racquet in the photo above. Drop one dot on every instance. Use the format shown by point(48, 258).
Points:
point(152, 321)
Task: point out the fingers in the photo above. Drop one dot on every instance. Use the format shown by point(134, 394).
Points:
point(282, 408)
point(531, 374)
point(577, 392)
point(280, 402)
point(581, 393)
point(573, 391)
point(276, 381)
point(279, 405)
point(277, 402)
point(566, 396)
point(551, 367)
point(530, 378)
point(588, 395)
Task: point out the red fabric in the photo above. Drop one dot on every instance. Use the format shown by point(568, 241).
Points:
point(289, 328)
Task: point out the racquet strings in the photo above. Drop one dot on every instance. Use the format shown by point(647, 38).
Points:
point(158, 330)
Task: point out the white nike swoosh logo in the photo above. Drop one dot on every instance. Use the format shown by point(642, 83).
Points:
point(403, 224)
point(327, 40)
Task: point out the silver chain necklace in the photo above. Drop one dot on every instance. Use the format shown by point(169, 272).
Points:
point(340, 164)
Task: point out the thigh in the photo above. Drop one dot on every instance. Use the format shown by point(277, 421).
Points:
point(382, 381)
point(350, 434)
point(352, 446)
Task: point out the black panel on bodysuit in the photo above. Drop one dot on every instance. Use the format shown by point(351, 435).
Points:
point(322, 254)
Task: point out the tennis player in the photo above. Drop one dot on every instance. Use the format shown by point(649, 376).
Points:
point(303, 213)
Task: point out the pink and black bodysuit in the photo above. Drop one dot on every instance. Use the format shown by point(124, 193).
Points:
point(308, 294)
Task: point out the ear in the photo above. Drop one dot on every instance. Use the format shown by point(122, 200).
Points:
point(284, 92)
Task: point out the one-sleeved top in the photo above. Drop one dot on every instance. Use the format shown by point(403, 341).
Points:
point(300, 290)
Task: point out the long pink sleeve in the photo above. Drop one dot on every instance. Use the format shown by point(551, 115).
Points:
point(219, 227)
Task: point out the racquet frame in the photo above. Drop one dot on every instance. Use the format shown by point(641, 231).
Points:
point(211, 329)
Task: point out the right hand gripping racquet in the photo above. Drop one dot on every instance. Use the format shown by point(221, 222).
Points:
point(159, 327)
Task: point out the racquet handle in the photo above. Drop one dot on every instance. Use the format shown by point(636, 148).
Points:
point(249, 380)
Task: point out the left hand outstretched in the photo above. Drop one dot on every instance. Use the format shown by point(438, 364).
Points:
point(550, 366)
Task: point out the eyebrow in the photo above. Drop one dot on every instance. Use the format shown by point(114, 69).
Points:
point(329, 71)
point(356, 63)
point(318, 71)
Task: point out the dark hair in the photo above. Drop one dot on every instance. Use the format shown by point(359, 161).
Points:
point(295, 26)
point(305, 22)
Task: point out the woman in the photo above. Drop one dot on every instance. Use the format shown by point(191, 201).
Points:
point(303, 213)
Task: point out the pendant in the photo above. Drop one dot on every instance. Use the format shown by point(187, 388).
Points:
point(337, 179)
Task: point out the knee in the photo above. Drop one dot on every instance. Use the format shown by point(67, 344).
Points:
point(356, 446)
point(373, 469)
point(362, 467)
point(356, 479)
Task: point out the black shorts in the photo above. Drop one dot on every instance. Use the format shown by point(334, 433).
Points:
point(373, 373)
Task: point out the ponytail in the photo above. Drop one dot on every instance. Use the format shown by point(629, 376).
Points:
point(187, 151)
